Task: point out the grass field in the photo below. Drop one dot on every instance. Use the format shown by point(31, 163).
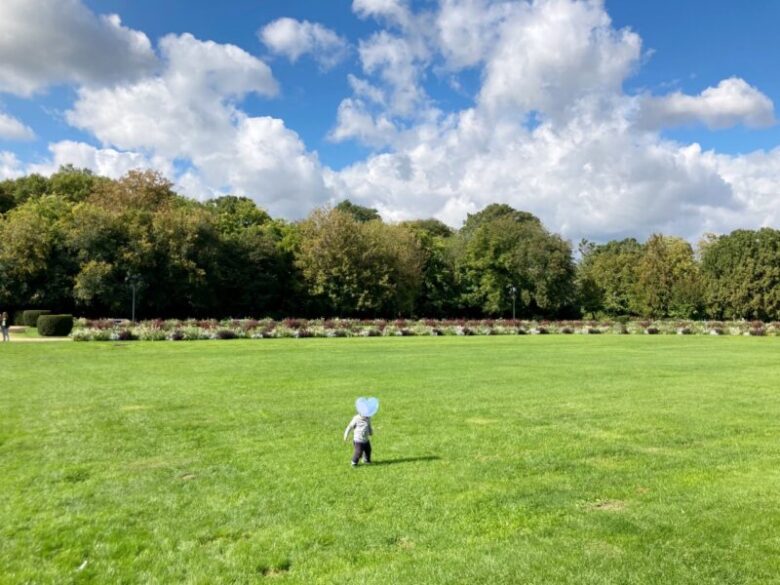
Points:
point(577, 459)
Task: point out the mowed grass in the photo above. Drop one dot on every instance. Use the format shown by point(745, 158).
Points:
point(498, 460)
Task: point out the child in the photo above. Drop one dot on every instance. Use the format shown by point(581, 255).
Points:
point(4, 325)
point(362, 431)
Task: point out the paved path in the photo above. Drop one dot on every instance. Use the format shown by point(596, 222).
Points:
point(18, 336)
point(23, 339)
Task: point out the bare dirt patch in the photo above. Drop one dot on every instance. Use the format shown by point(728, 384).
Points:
point(481, 421)
point(609, 505)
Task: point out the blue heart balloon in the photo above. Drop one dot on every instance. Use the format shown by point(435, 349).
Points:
point(367, 406)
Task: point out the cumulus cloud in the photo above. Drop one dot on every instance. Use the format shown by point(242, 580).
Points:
point(553, 52)
point(189, 112)
point(264, 160)
point(355, 121)
point(733, 101)
point(755, 181)
point(186, 110)
point(468, 29)
point(550, 128)
point(584, 167)
point(594, 180)
point(396, 61)
point(393, 11)
point(294, 38)
point(10, 166)
point(399, 63)
point(47, 42)
point(13, 129)
point(107, 162)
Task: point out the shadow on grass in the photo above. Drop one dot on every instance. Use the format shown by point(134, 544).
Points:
point(406, 460)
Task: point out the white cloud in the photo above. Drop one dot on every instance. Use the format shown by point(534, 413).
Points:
point(294, 38)
point(355, 121)
point(10, 166)
point(550, 128)
point(583, 180)
point(393, 11)
point(366, 90)
point(469, 29)
point(189, 112)
point(13, 129)
point(733, 101)
point(399, 62)
point(264, 160)
point(47, 42)
point(755, 181)
point(186, 111)
point(107, 162)
point(396, 62)
point(553, 52)
point(584, 167)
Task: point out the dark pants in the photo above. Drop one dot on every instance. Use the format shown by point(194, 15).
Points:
point(363, 449)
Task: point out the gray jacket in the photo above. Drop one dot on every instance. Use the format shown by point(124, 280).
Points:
point(362, 427)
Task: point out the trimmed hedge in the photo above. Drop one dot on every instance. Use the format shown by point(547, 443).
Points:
point(30, 317)
point(55, 325)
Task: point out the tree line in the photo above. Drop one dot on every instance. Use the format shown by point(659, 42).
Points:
point(78, 242)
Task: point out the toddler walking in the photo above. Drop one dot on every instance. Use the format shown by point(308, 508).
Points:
point(361, 427)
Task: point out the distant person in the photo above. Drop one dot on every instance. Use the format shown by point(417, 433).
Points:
point(361, 425)
point(4, 325)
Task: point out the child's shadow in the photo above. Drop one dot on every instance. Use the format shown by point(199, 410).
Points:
point(406, 460)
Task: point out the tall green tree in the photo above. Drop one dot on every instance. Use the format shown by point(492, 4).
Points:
point(255, 273)
point(359, 268)
point(7, 199)
point(74, 184)
point(100, 242)
point(742, 274)
point(438, 293)
point(138, 227)
point(30, 187)
point(607, 277)
point(235, 214)
point(493, 212)
point(668, 282)
point(358, 212)
point(35, 264)
point(513, 251)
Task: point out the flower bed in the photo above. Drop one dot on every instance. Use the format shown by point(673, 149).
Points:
point(193, 329)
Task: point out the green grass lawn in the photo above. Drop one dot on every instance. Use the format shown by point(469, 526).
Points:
point(577, 459)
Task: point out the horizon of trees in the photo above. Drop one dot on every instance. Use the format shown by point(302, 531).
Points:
point(75, 242)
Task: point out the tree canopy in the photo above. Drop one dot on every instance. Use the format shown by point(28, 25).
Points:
point(72, 241)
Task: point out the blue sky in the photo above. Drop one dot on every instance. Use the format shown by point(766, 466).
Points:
point(695, 43)
point(398, 117)
point(692, 44)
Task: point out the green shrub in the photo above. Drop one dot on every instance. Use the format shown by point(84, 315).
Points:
point(55, 325)
point(30, 317)
point(18, 318)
